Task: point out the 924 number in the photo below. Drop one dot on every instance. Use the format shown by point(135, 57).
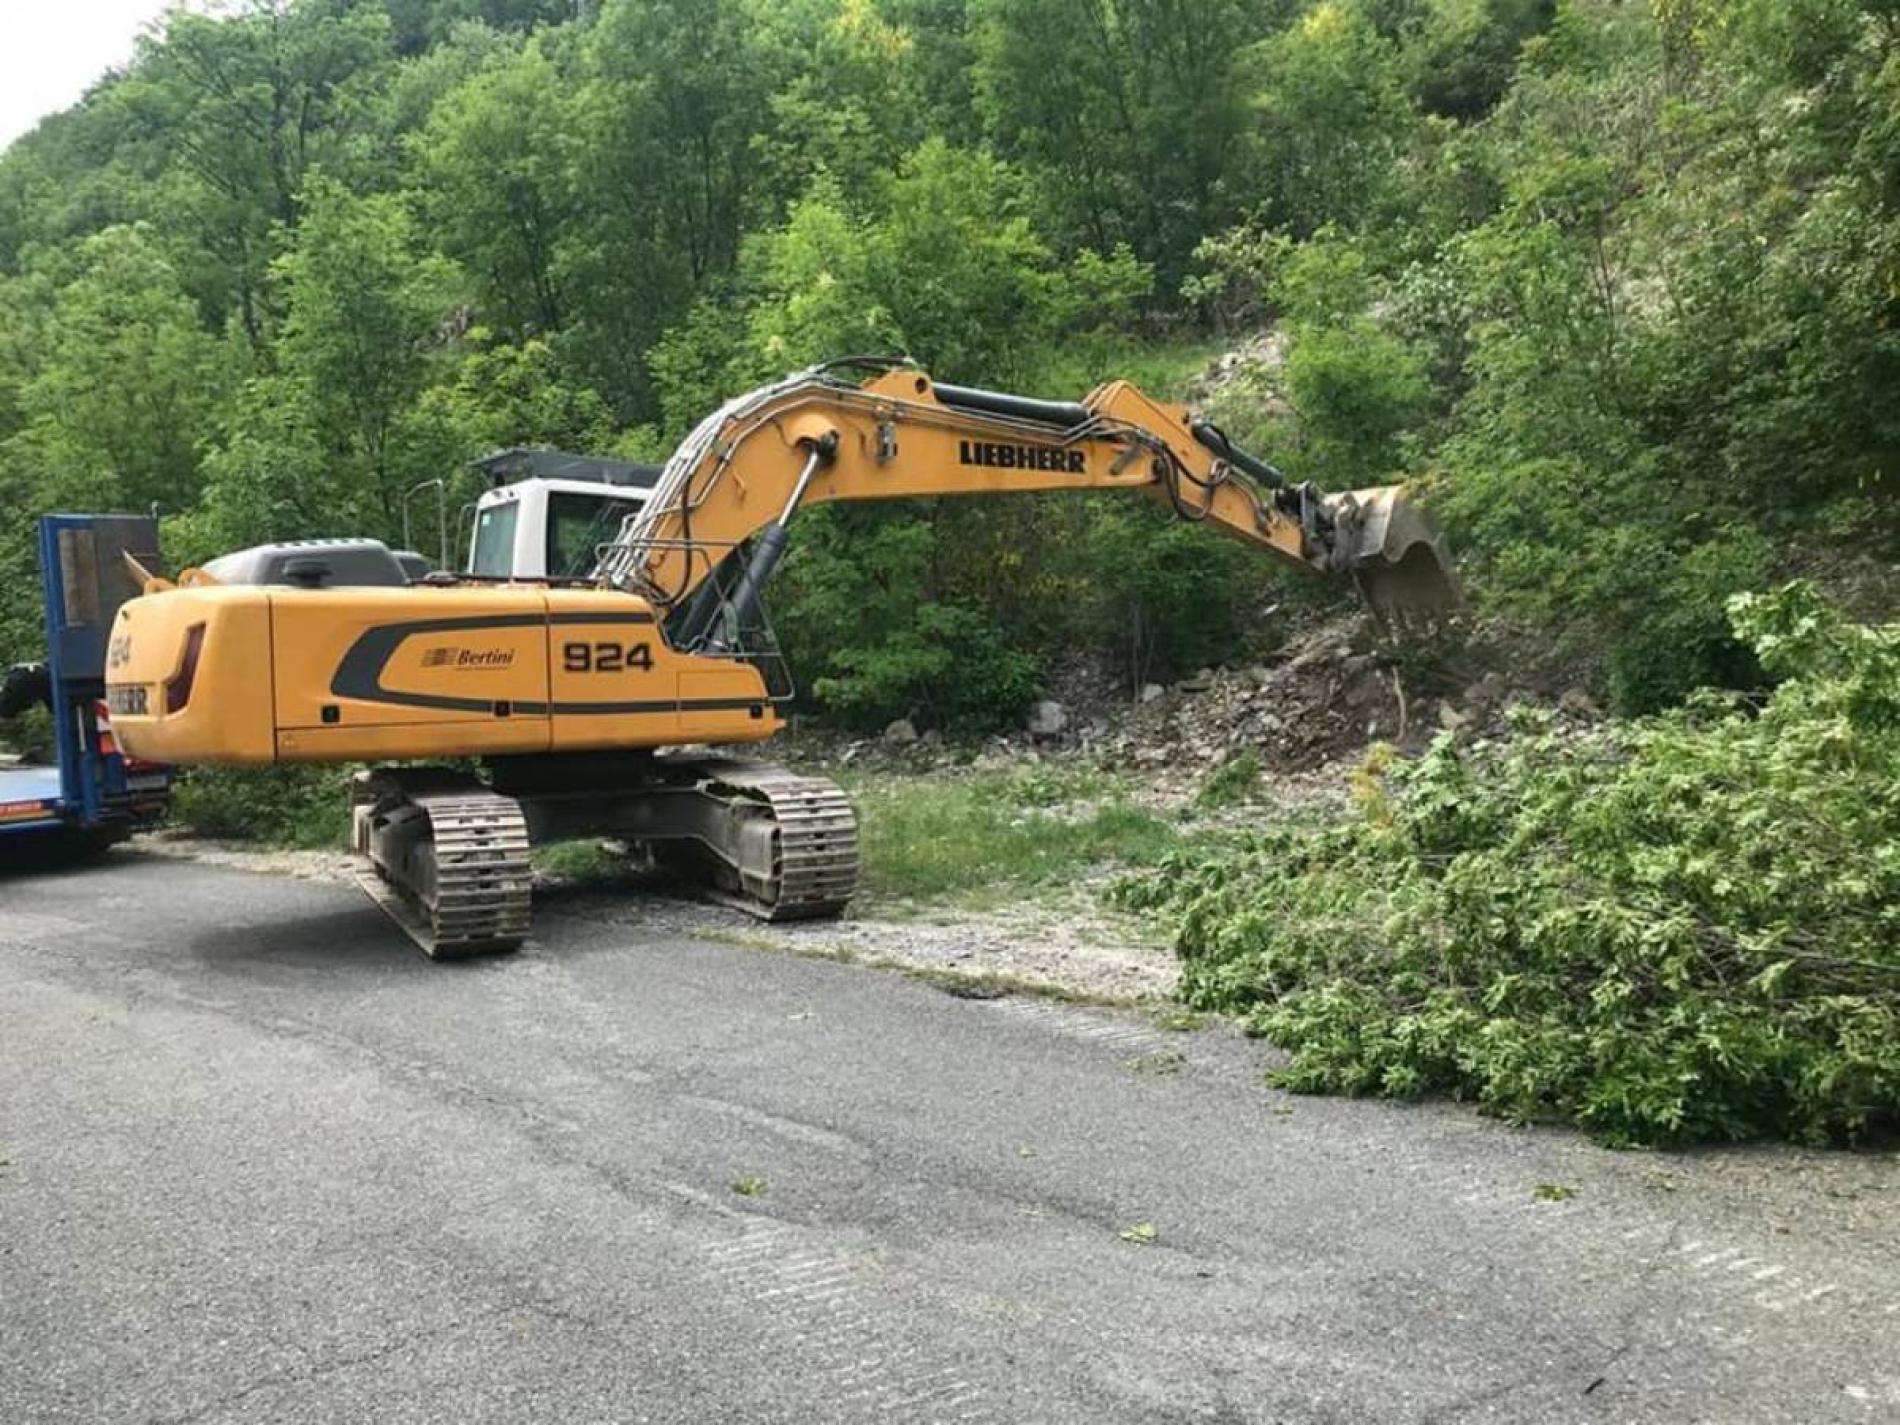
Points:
point(605, 657)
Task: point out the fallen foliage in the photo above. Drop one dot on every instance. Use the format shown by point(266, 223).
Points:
point(1676, 929)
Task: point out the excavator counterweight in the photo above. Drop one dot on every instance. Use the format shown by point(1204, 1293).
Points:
point(577, 694)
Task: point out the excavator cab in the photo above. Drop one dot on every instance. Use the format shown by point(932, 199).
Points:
point(546, 513)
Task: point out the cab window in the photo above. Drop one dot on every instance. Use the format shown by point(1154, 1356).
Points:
point(577, 526)
point(494, 552)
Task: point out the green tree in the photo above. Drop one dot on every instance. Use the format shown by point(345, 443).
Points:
point(127, 384)
point(367, 317)
point(521, 395)
point(495, 160)
point(421, 26)
point(1129, 113)
point(108, 389)
point(672, 99)
point(949, 268)
point(269, 477)
point(243, 108)
point(1330, 119)
point(1464, 53)
point(851, 100)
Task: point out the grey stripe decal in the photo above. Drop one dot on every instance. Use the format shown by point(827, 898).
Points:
point(360, 673)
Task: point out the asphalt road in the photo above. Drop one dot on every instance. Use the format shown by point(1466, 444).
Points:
point(261, 1161)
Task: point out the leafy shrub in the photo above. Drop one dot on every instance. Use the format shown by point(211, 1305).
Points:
point(949, 669)
point(1676, 636)
point(865, 618)
point(1163, 596)
point(30, 735)
point(1237, 273)
point(1681, 929)
point(1463, 62)
point(286, 806)
point(1232, 782)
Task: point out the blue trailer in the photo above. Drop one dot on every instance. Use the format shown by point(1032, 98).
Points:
point(91, 794)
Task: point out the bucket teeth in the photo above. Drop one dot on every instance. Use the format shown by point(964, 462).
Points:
point(1394, 552)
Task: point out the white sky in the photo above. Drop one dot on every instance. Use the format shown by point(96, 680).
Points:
point(51, 50)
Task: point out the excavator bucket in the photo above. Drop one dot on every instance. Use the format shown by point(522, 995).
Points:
point(1395, 553)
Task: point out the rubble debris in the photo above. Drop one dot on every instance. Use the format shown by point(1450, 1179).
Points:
point(1316, 701)
point(1048, 719)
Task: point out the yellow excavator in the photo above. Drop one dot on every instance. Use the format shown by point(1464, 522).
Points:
point(580, 699)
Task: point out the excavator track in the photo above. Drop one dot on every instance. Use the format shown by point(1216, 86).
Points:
point(448, 860)
point(794, 848)
point(447, 854)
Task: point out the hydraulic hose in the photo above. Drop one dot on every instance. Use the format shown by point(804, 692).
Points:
point(1215, 439)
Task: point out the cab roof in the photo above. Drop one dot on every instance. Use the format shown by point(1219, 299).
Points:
point(521, 462)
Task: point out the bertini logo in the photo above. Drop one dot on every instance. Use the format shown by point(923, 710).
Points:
point(451, 655)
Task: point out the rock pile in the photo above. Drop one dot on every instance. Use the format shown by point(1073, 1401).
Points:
point(1327, 694)
point(1322, 697)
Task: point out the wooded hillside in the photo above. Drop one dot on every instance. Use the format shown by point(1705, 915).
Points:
point(1616, 282)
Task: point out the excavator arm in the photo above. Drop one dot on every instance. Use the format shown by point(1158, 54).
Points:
point(728, 495)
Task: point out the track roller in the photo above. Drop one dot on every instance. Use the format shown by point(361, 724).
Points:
point(783, 846)
point(450, 859)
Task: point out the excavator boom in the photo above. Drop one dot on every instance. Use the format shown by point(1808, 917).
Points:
point(812, 438)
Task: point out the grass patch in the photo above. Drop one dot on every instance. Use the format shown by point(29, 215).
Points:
point(990, 834)
point(1234, 781)
point(582, 861)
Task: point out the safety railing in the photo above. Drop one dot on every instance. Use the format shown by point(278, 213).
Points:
point(714, 619)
